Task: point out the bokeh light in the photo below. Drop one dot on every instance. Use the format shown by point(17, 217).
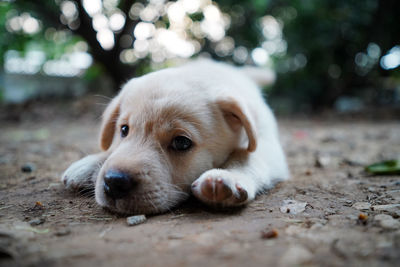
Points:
point(392, 59)
point(24, 22)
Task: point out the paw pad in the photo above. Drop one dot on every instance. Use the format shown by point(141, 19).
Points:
point(218, 190)
point(242, 194)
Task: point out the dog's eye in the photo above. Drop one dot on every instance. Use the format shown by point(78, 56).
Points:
point(124, 130)
point(181, 143)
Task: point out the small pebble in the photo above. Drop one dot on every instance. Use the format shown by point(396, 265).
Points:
point(292, 206)
point(28, 167)
point(269, 234)
point(134, 220)
point(348, 203)
point(63, 232)
point(362, 218)
point(321, 161)
point(36, 221)
point(175, 236)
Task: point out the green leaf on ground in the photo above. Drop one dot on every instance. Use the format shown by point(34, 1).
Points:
point(388, 167)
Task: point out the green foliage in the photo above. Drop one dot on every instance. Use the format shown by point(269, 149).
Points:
point(93, 72)
point(326, 34)
point(54, 43)
point(389, 167)
point(7, 40)
point(198, 16)
point(330, 34)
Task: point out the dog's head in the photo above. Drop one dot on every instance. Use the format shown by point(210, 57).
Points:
point(160, 137)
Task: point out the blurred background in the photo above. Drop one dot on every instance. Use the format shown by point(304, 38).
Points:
point(336, 55)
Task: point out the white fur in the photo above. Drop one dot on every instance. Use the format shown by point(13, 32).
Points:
point(194, 86)
point(265, 166)
point(83, 173)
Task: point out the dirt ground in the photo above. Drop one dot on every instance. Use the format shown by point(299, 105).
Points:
point(43, 225)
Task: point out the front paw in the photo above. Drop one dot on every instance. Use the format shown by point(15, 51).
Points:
point(82, 173)
point(221, 187)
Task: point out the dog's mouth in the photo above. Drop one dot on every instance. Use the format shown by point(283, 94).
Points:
point(124, 192)
point(144, 202)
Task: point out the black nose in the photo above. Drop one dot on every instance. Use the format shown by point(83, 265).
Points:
point(117, 184)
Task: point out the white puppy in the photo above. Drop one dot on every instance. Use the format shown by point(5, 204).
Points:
point(202, 127)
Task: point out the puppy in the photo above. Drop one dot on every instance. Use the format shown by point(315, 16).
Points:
point(201, 128)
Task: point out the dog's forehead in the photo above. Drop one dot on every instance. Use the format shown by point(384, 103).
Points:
point(159, 102)
point(165, 103)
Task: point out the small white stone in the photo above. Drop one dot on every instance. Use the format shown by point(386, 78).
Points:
point(292, 206)
point(322, 161)
point(134, 220)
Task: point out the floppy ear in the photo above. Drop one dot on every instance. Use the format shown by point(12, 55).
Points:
point(238, 117)
point(107, 129)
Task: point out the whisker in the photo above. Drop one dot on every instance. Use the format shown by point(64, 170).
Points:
point(103, 96)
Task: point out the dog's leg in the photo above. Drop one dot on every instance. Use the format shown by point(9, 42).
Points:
point(82, 174)
point(244, 175)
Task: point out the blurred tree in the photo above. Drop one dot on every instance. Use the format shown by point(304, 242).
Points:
point(82, 24)
point(320, 49)
point(80, 21)
point(342, 42)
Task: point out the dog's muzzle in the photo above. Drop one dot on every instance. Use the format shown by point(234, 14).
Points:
point(118, 184)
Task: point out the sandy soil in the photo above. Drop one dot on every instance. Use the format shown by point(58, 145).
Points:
point(43, 225)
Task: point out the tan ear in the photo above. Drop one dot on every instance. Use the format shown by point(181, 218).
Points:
point(107, 128)
point(238, 117)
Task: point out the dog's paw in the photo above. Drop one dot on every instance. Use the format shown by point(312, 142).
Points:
point(221, 187)
point(82, 173)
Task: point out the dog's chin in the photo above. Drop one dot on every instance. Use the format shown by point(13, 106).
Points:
point(143, 204)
